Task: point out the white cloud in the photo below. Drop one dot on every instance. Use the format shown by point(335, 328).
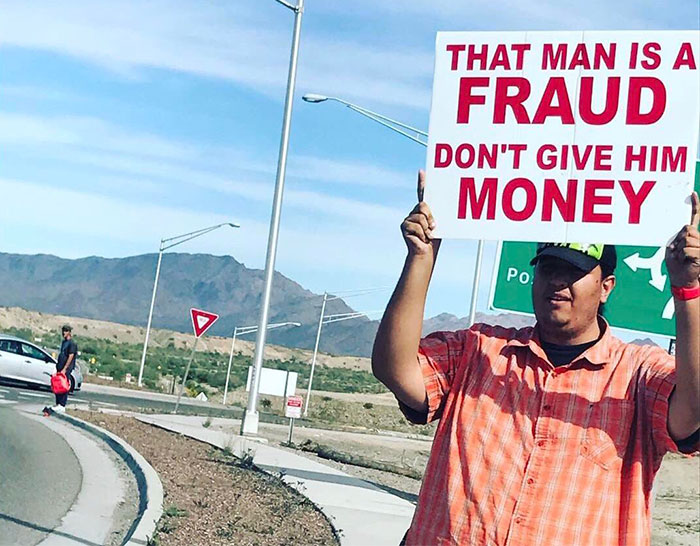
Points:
point(353, 173)
point(248, 45)
point(153, 161)
point(106, 226)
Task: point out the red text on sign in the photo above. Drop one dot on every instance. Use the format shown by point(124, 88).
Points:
point(482, 201)
point(473, 57)
point(565, 58)
point(510, 94)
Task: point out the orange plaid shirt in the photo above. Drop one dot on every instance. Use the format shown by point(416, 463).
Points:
point(526, 454)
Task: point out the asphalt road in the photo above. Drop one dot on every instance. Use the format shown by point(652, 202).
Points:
point(122, 399)
point(40, 478)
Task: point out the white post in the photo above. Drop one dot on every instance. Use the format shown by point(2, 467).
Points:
point(187, 371)
point(230, 359)
point(150, 315)
point(313, 359)
point(249, 424)
point(475, 284)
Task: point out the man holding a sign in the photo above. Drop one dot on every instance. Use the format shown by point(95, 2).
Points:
point(552, 434)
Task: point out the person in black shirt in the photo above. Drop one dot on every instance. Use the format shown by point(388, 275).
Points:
point(66, 362)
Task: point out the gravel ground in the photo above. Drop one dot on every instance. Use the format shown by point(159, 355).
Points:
point(212, 498)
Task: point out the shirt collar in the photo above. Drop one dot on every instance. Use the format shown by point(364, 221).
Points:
point(598, 354)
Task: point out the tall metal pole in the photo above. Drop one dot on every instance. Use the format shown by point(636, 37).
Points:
point(313, 359)
point(249, 424)
point(150, 314)
point(475, 284)
point(230, 360)
point(187, 371)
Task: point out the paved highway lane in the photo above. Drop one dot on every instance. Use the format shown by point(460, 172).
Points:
point(101, 397)
point(110, 397)
point(40, 478)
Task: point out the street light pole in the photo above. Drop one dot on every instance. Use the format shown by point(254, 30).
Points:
point(150, 313)
point(313, 359)
point(398, 127)
point(165, 244)
point(230, 360)
point(242, 330)
point(249, 424)
point(327, 319)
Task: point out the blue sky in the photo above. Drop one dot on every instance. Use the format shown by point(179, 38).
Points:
point(125, 122)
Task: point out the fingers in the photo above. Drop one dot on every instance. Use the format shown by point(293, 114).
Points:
point(695, 214)
point(424, 210)
point(421, 185)
point(686, 243)
point(415, 230)
point(417, 224)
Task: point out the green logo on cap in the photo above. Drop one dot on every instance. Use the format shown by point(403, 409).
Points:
point(594, 251)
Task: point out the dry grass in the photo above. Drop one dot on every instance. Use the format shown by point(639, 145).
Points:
point(212, 498)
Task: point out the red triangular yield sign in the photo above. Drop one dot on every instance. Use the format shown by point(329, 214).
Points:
point(202, 320)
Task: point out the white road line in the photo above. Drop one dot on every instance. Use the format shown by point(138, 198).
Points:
point(7, 402)
point(33, 395)
point(5, 391)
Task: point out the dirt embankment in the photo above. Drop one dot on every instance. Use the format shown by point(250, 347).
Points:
point(214, 499)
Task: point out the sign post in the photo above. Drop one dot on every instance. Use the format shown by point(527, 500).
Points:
point(641, 301)
point(293, 411)
point(563, 136)
point(201, 322)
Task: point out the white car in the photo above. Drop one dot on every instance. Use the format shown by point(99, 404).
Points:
point(23, 362)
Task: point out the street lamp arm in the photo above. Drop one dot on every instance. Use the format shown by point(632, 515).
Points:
point(346, 316)
point(367, 112)
point(242, 330)
point(288, 5)
point(388, 126)
point(179, 239)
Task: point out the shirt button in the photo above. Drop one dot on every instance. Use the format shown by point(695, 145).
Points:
point(530, 481)
point(518, 520)
point(547, 407)
point(541, 443)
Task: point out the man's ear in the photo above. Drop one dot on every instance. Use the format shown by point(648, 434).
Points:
point(606, 287)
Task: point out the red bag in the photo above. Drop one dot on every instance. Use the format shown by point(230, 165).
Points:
point(60, 383)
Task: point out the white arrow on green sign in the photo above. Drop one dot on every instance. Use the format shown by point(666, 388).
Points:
point(641, 300)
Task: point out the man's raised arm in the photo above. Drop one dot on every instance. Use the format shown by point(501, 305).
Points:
point(394, 356)
point(683, 264)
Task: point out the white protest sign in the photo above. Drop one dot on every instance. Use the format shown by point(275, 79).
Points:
point(563, 136)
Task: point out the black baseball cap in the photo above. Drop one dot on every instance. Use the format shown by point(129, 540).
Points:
point(584, 256)
point(66, 328)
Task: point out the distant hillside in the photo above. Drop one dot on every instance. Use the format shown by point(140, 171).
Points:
point(119, 290)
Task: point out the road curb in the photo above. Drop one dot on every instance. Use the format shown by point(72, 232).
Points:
point(149, 484)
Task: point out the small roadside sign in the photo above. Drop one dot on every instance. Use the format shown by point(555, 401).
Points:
point(202, 321)
point(293, 407)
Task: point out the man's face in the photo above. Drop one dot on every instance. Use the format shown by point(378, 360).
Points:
point(566, 299)
point(66, 334)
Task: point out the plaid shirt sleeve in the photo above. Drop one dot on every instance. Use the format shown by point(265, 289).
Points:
point(656, 383)
point(440, 354)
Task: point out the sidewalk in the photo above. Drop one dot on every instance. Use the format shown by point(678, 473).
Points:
point(362, 512)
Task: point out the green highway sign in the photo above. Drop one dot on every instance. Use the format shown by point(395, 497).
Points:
point(641, 300)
